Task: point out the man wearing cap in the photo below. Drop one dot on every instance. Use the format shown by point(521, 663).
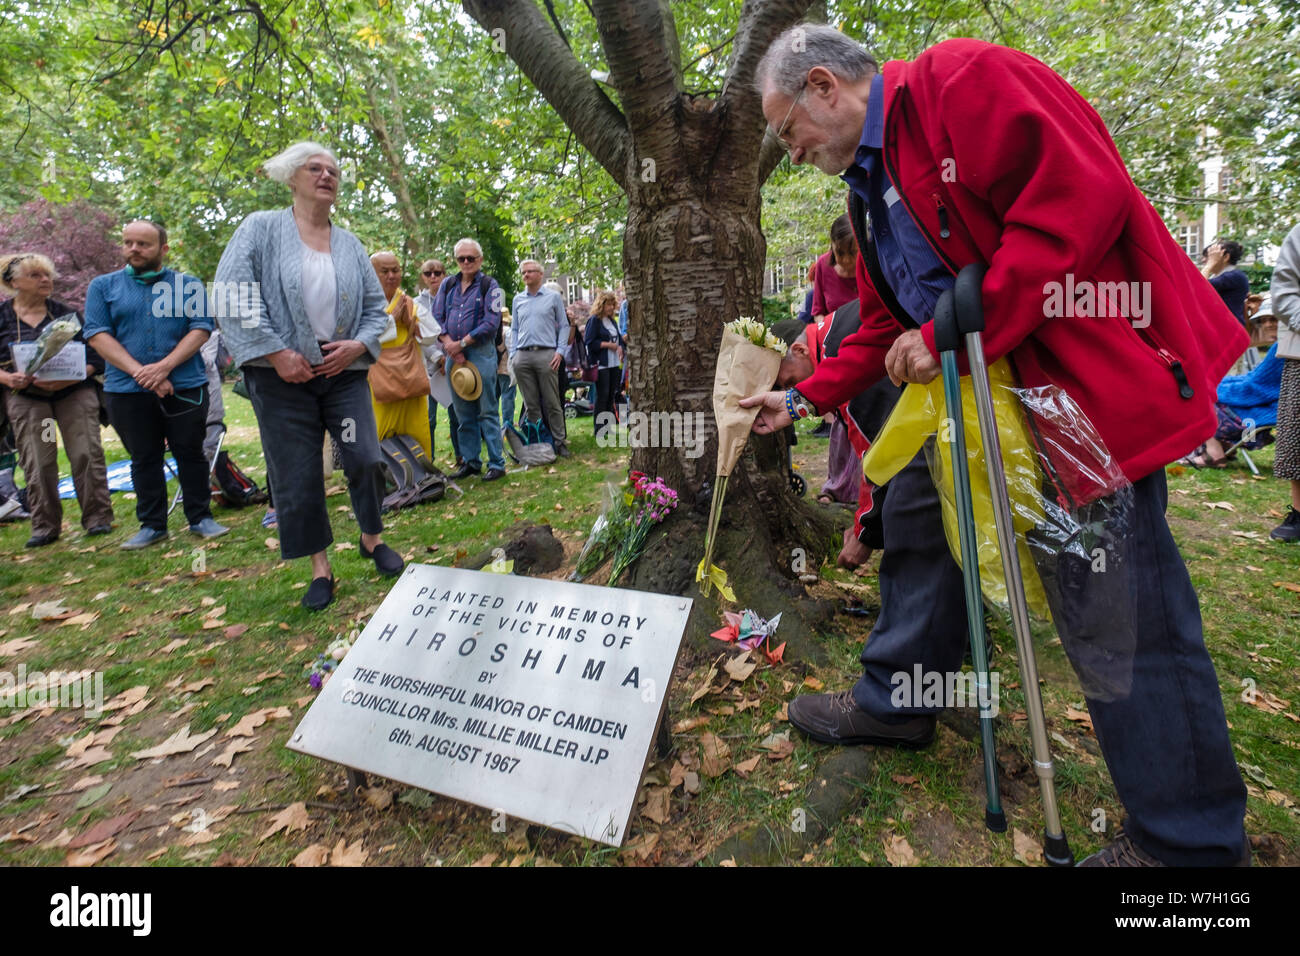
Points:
point(540, 329)
point(468, 308)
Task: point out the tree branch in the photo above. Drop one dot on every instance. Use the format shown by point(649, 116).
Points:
point(761, 22)
point(538, 50)
point(635, 40)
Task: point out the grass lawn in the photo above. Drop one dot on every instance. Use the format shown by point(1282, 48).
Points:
point(214, 633)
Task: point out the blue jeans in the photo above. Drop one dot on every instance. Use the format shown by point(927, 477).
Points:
point(478, 419)
point(508, 390)
point(1166, 743)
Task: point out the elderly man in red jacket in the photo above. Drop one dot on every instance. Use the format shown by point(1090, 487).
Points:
point(974, 153)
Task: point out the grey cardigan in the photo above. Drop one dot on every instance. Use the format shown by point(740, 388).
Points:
point(257, 295)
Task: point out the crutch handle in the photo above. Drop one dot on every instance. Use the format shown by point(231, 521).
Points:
point(967, 302)
point(947, 338)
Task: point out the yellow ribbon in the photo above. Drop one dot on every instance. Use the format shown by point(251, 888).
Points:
point(718, 578)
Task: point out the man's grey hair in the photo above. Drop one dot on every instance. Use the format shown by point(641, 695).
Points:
point(787, 61)
point(533, 262)
point(478, 250)
point(283, 165)
point(384, 252)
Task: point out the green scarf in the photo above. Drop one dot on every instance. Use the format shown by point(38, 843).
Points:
point(145, 278)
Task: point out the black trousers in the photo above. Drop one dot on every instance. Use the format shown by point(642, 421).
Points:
point(293, 419)
point(144, 421)
point(607, 380)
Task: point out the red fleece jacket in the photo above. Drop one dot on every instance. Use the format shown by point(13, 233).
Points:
point(1000, 161)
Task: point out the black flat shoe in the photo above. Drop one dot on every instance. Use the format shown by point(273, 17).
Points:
point(320, 594)
point(387, 561)
point(494, 473)
point(464, 471)
point(41, 540)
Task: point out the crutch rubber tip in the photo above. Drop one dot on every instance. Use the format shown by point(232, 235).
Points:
point(1056, 850)
point(995, 820)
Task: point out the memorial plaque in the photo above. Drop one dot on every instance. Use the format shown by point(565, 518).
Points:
point(536, 698)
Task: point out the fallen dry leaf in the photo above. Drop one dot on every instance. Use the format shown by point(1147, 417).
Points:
point(91, 854)
point(16, 645)
point(127, 698)
point(314, 855)
point(226, 756)
point(1225, 505)
point(813, 683)
point(716, 754)
point(746, 767)
point(51, 611)
point(91, 757)
point(377, 797)
point(250, 722)
point(656, 804)
point(1027, 850)
point(85, 620)
point(708, 680)
point(689, 723)
point(899, 852)
point(1079, 717)
point(740, 667)
point(195, 686)
point(223, 785)
point(487, 859)
point(292, 817)
point(181, 742)
point(178, 643)
point(235, 630)
point(272, 544)
point(1289, 585)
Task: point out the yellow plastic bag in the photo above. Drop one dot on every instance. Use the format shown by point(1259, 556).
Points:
point(920, 413)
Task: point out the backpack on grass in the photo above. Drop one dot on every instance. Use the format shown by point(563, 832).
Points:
point(231, 487)
point(412, 478)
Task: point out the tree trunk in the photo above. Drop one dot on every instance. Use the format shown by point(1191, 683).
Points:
point(693, 257)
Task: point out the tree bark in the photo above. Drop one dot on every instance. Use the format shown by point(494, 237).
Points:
point(693, 257)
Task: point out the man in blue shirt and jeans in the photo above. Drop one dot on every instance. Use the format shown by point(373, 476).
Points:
point(468, 307)
point(148, 322)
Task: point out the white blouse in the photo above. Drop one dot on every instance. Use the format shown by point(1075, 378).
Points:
point(319, 293)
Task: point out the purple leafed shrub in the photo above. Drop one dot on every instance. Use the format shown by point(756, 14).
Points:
point(80, 239)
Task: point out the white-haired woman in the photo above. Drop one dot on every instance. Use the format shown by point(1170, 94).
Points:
point(32, 403)
point(305, 339)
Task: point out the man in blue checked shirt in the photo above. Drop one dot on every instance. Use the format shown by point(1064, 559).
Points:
point(149, 322)
point(540, 328)
point(468, 307)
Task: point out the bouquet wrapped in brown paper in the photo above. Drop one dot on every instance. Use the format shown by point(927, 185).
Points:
point(748, 362)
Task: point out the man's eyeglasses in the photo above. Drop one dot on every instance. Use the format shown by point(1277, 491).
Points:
point(316, 169)
point(467, 258)
point(780, 133)
point(434, 272)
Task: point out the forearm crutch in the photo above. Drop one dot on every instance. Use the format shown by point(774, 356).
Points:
point(948, 340)
point(968, 311)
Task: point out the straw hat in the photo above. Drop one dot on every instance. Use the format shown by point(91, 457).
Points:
point(466, 381)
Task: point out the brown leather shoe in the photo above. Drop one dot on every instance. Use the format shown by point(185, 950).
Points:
point(837, 719)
